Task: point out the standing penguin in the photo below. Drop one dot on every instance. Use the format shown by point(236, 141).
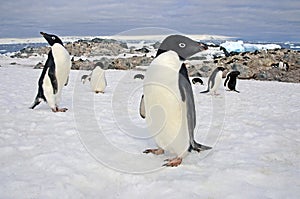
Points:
point(230, 81)
point(214, 80)
point(54, 75)
point(98, 80)
point(168, 99)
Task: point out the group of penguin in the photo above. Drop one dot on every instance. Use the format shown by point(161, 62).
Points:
point(215, 80)
point(167, 103)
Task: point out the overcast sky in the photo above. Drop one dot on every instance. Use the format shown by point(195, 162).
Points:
point(267, 20)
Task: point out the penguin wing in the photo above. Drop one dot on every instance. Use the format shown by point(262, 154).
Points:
point(51, 72)
point(226, 80)
point(187, 96)
point(67, 81)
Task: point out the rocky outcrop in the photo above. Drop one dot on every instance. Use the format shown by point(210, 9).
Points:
point(272, 64)
point(276, 64)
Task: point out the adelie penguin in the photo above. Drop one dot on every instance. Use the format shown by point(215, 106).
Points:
point(168, 99)
point(230, 81)
point(54, 75)
point(214, 80)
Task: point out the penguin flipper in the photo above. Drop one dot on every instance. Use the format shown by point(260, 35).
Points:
point(226, 80)
point(67, 81)
point(187, 96)
point(51, 72)
point(142, 108)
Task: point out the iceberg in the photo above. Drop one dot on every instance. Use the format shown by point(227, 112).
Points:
point(239, 46)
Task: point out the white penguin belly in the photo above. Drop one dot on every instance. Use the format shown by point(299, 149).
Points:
point(62, 64)
point(217, 83)
point(166, 113)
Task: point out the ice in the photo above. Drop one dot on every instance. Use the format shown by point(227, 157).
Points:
point(240, 46)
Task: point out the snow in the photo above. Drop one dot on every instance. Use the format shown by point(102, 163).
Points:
point(240, 46)
point(94, 150)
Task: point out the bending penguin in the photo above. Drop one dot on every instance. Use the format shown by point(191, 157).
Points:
point(230, 81)
point(214, 80)
point(168, 99)
point(54, 75)
point(98, 80)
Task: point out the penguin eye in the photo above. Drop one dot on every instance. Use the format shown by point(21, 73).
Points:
point(53, 38)
point(181, 45)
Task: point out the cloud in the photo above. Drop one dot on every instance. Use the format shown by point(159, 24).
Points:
point(242, 18)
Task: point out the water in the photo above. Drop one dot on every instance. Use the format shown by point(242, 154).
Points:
point(9, 48)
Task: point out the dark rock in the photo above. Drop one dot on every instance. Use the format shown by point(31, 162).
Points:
point(143, 50)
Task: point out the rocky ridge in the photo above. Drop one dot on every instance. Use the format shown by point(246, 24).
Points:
point(274, 65)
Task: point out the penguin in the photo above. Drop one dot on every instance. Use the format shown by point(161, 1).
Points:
point(85, 78)
point(214, 80)
point(55, 74)
point(138, 76)
point(197, 80)
point(230, 81)
point(98, 80)
point(168, 99)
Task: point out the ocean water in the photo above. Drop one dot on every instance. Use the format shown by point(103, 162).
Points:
point(14, 47)
point(9, 48)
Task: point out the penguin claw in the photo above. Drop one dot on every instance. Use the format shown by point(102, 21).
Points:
point(173, 162)
point(154, 151)
point(59, 109)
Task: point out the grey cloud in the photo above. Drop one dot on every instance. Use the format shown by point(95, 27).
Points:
point(242, 18)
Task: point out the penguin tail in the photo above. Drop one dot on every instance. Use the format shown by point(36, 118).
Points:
point(204, 91)
point(36, 102)
point(198, 147)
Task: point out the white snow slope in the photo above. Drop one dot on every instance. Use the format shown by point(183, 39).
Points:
point(94, 150)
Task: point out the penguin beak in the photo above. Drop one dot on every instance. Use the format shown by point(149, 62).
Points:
point(43, 34)
point(203, 46)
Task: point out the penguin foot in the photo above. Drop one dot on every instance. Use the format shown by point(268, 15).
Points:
point(173, 162)
point(99, 92)
point(158, 151)
point(59, 109)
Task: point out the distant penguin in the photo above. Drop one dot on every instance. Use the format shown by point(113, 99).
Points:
point(196, 80)
point(98, 80)
point(138, 76)
point(54, 75)
point(214, 80)
point(85, 78)
point(168, 99)
point(230, 81)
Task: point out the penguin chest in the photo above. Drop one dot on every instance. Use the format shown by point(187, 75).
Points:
point(165, 112)
point(63, 64)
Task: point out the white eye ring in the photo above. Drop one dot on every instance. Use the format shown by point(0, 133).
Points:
point(53, 38)
point(181, 45)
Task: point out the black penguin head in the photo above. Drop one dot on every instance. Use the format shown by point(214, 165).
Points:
point(220, 68)
point(183, 46)
point(235, 73)
point(51, 39)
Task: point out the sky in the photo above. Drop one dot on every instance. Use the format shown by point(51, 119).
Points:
point(268, 20)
